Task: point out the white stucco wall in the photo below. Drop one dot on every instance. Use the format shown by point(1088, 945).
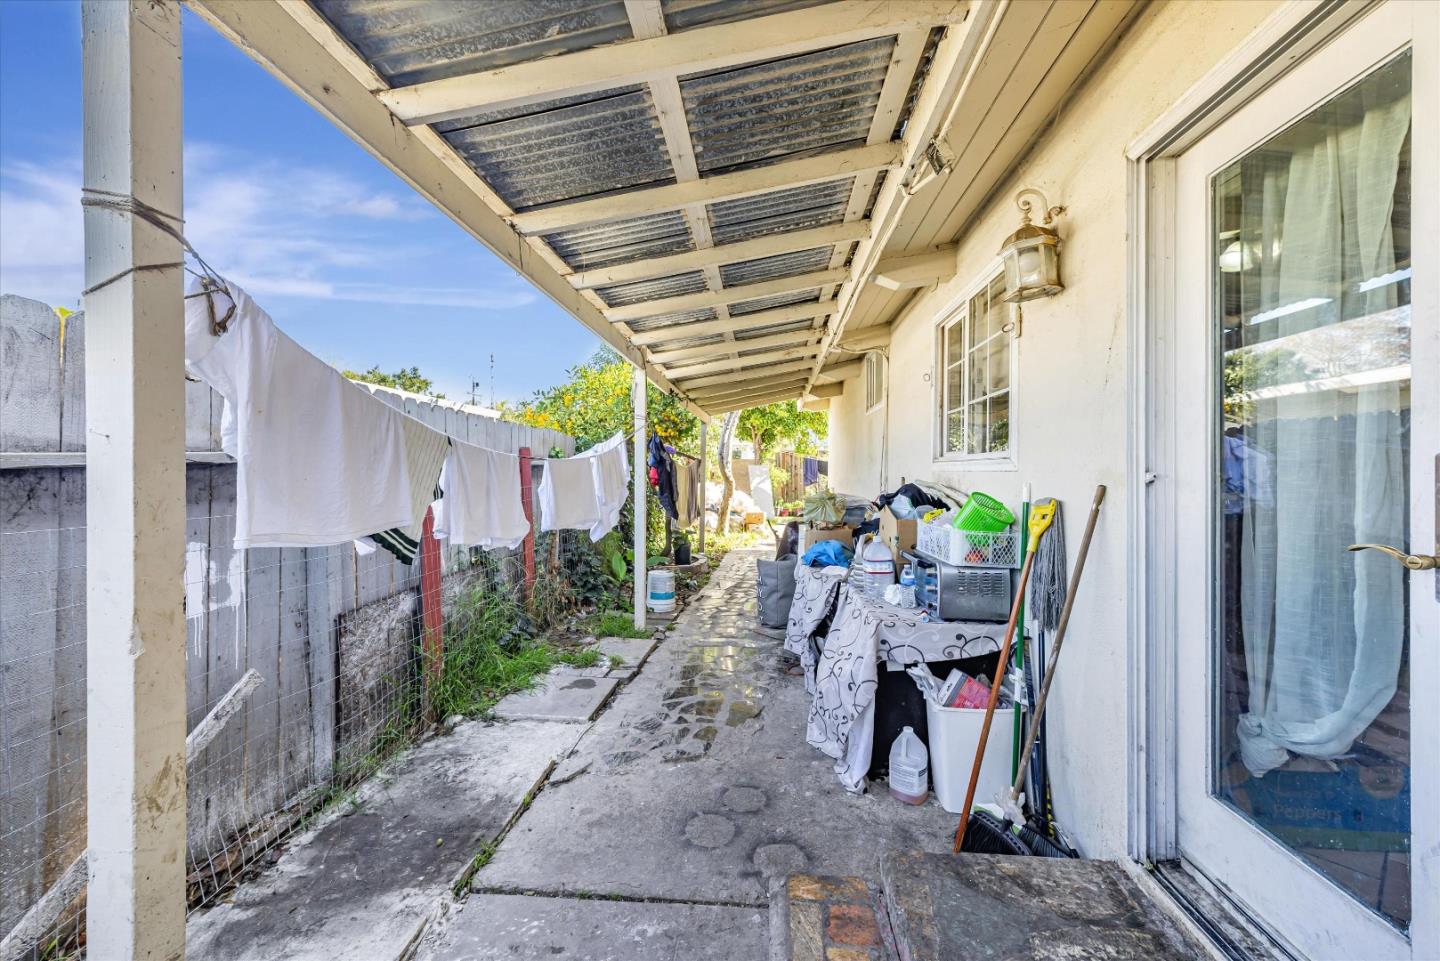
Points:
point(1068, 410)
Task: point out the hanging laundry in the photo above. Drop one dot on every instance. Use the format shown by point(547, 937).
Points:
point(425, 452)
point(481, 506)
point(809, 472)
point(687, 491)
point(319, 460)
point(612, 482)
point(663, 465)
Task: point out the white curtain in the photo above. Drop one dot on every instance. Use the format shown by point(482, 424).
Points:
point(1323, 629)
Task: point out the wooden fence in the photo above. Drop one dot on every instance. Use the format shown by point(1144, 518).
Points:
point(332, 632)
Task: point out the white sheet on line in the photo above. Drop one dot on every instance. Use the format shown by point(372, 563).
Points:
point(612, 482)
point(320, 461)
point(481, 506)
point(585, 492)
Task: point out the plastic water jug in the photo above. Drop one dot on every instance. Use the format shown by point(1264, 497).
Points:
point(909, 768)
point(879, 567)
point(660, 592)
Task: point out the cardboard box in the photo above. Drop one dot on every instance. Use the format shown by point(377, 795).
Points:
point(896, 534)
point(809, 537)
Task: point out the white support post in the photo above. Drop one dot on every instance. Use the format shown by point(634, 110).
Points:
point(638, 402)
point(135, 485)
point(704, 460)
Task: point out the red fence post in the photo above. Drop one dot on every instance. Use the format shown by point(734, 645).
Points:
point(431, 613)
point(526, 499)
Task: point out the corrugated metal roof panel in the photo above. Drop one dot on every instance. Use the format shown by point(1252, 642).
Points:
point(622, 295)
point(685, 343)
point(777, 300)
point(683, 14)
point(655, 235)
point(410, 42)
point(780, 265)
point(677, 320)
point(781, 107)
point(778, 211)
point(565, 149)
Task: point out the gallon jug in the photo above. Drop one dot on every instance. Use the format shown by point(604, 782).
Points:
point(909, 768)
point(660, 593)
point(879, 567)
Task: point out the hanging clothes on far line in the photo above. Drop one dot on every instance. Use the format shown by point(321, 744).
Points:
point(809, 472)
point(319, 461)
point(687, 491)
point(481, 506)
point(663, 477)
point(585, 492)
point(425, 452)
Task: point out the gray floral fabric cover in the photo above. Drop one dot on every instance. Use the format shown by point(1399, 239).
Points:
point(863, 633)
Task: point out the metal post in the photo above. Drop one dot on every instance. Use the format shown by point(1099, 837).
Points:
point(704, 456)
point(134, 485)
point(638, 401)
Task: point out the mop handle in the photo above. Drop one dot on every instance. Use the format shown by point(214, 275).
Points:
point(1059, 641)
point(994, 698)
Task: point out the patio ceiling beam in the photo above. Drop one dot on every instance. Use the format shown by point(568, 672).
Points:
point(701, 50)
point(727, 295)
point(759, 400)
point(843, 371)
point(740, 376)
point(867, 339)
point(672, 358)
point(291, 40)
point(712, 189)
point(690, 370)
point(739, 322)
point(918, 268)
point(784, 382)
point(766, 246)
point(955, 61)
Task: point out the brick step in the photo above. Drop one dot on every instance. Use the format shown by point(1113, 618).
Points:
point(816, 918)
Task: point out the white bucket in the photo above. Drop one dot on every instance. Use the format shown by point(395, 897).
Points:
point(954, 735)
point(660, 592)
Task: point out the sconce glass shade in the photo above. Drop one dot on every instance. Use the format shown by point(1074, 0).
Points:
point(1032, 263)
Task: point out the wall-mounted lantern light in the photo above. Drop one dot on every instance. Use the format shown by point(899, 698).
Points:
point(1032, 253)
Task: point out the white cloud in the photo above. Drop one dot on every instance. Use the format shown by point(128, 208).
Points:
point(278, 229)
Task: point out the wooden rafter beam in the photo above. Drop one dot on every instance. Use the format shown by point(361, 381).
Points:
point(719, 395)
point(842, 371)
point(693, 369)
point(866, 339)
point(726, 186)
point(916, 268)
point(740, 376)
point(766, 246)
point(673, 358)
point(760, 318)
point(758, 400)
point(701, 50)
point(727, 295)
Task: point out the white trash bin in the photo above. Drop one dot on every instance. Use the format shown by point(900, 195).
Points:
point(954, 734)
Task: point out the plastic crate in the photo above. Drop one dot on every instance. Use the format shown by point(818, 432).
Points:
point(967, 548)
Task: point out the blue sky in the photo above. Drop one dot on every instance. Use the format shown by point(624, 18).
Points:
point(346, 258)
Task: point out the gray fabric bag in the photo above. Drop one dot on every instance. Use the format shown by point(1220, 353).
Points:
point(775, 588)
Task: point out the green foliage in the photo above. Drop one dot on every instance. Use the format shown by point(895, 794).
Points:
point(594, 404)
point(614, 624)
point(586, 657)
point(403, 379)
point(767, 426)
point(486, 656)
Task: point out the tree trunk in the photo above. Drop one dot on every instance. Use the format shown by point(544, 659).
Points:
point(727, 477)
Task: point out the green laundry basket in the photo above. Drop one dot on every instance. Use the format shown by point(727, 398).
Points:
point(982, 515)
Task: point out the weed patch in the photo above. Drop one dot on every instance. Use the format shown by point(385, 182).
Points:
point(613, 624)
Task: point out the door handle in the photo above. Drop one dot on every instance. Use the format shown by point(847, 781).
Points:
point(1416, 562)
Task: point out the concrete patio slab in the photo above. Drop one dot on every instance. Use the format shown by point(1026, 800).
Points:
point(564, 694)
point(696, 783)
point(632, 652)
point(519, 928)
point(363, 882)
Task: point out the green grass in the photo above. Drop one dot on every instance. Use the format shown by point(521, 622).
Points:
point(614, 624)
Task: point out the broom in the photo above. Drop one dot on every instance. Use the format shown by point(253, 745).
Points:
point(1040, 519)
point(993, 837)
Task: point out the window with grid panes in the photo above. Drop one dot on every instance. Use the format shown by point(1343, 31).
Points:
point(975, 392)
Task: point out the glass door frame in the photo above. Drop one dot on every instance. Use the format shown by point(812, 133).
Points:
point(1296, 31)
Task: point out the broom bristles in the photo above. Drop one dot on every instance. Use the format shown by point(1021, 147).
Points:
point(1048, 576)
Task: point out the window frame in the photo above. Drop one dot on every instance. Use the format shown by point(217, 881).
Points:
point(955, 313)
point(877, 361)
